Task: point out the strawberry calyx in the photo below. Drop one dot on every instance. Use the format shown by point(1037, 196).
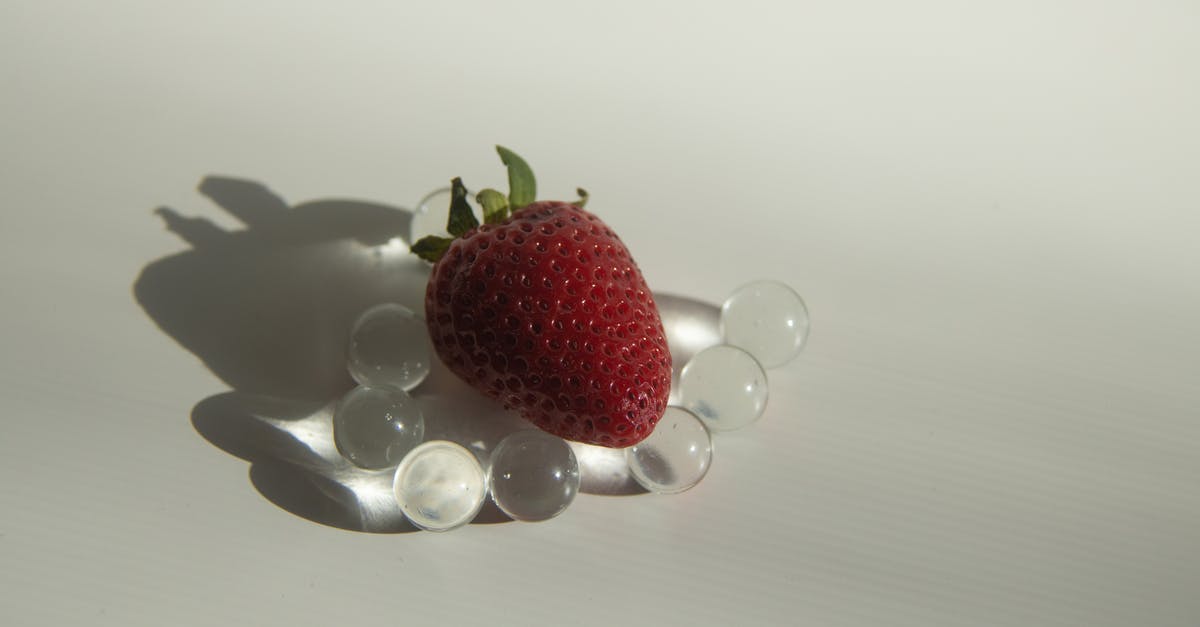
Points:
point(497, 207)
point(522, 186)
point(462, 218)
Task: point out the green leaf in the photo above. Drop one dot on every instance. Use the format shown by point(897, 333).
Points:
point(462, 217)
point(522, 187)
point(583, 197)
point(495, 206)
point(431, 247)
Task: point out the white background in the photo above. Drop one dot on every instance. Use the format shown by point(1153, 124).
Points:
point(990, 207)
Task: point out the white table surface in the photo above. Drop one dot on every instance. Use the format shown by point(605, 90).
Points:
point(991, 209)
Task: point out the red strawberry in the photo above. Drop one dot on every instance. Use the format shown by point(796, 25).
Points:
point(546, 312)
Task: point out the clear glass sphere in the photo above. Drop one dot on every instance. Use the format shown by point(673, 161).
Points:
point(675, 457)
point(534, 475)
point(766, 319)
point(389, 345)
point(375, 427)
point(440, 486)
point(725, 386)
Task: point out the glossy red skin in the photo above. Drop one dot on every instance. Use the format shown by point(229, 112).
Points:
point(548, 314)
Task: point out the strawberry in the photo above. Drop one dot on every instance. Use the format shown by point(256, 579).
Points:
point(543, 309)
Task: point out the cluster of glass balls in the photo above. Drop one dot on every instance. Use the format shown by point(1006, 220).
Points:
point(722, 388)
point(531, 475)
point(438, 484)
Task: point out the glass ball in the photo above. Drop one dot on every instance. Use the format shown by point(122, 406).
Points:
point(389, 345)
point(766, 319)
point(534, 475)
point(440, 486)
point(725, 386)
point(673, 458)
point(375, 427)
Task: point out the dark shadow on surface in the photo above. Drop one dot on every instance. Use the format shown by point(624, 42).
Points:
point(268, 309)
point(603, 471)
point(490, 514)
point(294, 462)
point(315, 497)
point(247, 426)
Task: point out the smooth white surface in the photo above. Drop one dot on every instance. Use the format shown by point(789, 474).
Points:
point(990, 209)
